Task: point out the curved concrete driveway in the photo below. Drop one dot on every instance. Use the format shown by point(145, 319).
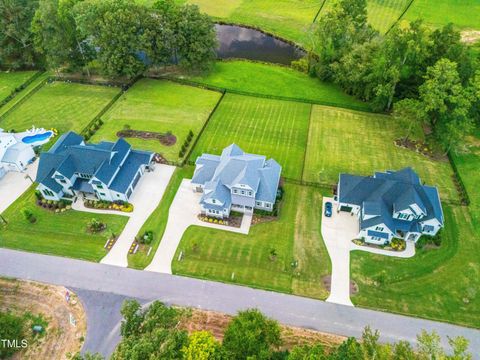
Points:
point(183, 213)
point(182, 291)
point(145, 199)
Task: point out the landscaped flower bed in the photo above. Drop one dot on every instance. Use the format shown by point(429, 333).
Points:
point(52, 205)
point(167, 139)
point(107, 205)
point(234, 221)
point(395, 245)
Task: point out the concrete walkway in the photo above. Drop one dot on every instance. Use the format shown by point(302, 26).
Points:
point(183, 213)
point(338, 231)
point(145, 199)
point(209, 295)
point(407, 253)
point(14, 184)
point(78, 206)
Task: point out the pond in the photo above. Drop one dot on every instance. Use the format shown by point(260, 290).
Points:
point(244, 43)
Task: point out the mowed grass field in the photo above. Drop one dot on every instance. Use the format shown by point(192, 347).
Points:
point(245, 259)
point(440, 284)
point(60, 105)
point(276, 129)
point(63, 234)
point(463, 13)
point(289, 19)
point(382, 14)
point(362, 143)
point(9, 81)
point(159, 106)
point(269, 79)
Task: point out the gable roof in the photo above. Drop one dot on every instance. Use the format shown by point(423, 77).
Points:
point(385, 193)
point(234, 167)
point(111, 163)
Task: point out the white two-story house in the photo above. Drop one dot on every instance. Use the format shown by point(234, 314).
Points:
point(235, 181)
point(393, 204)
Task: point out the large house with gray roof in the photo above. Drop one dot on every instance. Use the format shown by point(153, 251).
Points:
point(235, 181)
point(107, 171)
point(392, 204)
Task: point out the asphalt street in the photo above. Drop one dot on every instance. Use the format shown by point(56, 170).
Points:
point(102, 288)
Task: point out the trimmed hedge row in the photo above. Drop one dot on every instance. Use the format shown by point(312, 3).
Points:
point(464, 197)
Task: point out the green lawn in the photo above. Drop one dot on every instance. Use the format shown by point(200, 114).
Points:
point(463, 13)
point(265, 79)
point(157, 221)
point(9, 81)
point(289, 19)
point(468, 165)
point(362, 143)
point(61, 234)
point(295, 236)
point(61, 105)
point(440, 284)
point(160, 106)
point(382, 14)
point(273, 128)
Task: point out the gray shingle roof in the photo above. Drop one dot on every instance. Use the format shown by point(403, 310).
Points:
point(235, 167)
point(113, 163)
point(385, 193)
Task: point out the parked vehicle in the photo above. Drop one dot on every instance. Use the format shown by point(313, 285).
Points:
point(328, 209)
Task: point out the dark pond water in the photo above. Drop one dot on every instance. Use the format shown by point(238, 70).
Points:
point(244, 43)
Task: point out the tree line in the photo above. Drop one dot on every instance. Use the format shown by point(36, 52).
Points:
point(425, 76)
point(156, 333)
point(119, 38)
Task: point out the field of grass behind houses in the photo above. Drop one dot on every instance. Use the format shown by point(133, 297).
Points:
point(60, 105)
point(9, 81)
point(274, 80)
point(159, 106)
point(274, 128)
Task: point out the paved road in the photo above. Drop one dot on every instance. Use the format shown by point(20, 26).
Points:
point(288, 309)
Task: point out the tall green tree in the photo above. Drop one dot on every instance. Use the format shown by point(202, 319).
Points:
point(447, 104)
point(307, 352)
point(251, 334)
point(16, 39)
point(410, 113)
point(115, 28)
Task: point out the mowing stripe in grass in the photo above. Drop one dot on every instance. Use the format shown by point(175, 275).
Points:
point(187, 156)
point(401, 16)
point(25, 98)
point(19, 88)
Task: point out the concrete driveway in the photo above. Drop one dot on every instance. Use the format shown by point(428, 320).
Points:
point(14, 184)
point(183, 213)
point(145, 199)
point(338, 232)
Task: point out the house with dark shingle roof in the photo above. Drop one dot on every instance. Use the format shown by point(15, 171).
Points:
point(108, 171)
point(235, 181)
point(392, 204)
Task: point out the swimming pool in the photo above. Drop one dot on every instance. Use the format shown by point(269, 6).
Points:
point(37, 137)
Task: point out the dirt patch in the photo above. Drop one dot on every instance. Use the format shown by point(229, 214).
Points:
point(327, 283)
point(167, 139)
point(217, 323)
point(260, 219)
point(61, 339)
point(159, 159)
point(420, 148)
point(470, 36)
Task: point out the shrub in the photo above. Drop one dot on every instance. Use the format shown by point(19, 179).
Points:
point(28, 215)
